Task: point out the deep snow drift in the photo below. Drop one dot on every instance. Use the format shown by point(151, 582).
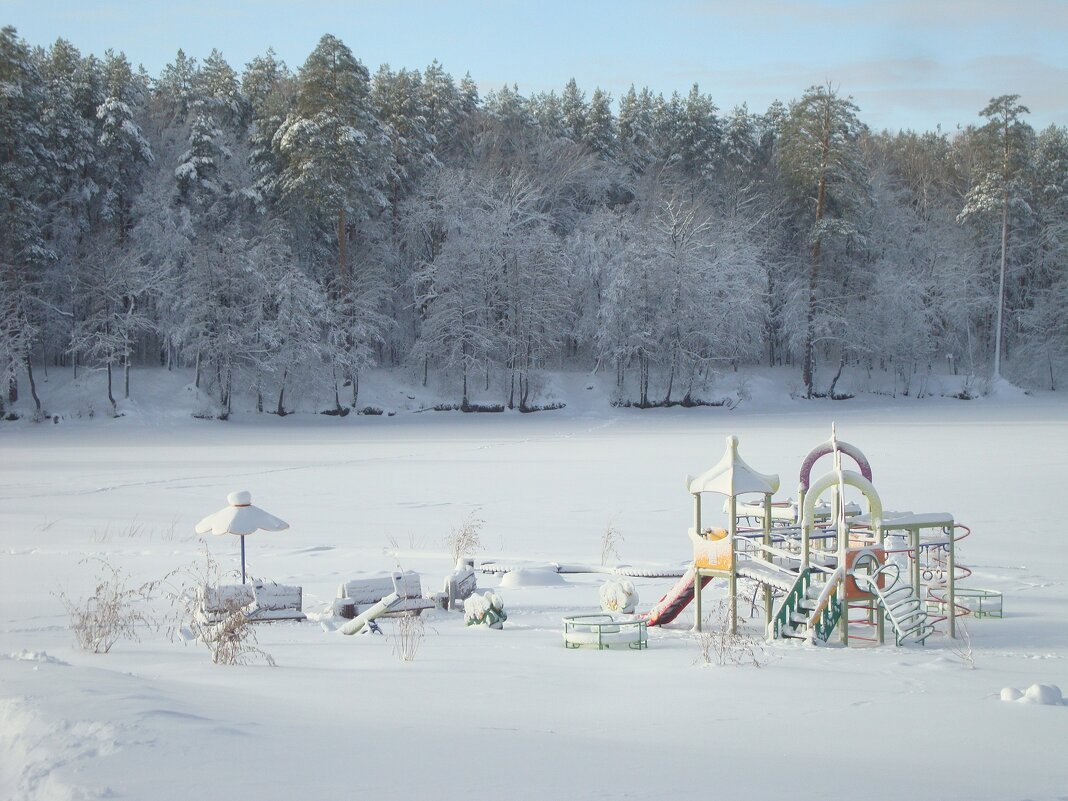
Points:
point(512, 713)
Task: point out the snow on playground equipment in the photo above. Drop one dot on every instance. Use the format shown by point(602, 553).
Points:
point(979, 603)
point(604, 631)
point(820, 563)
point(714, 550)
point(618, 595)
point(485, 610)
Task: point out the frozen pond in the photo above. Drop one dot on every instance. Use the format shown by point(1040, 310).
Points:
point(512, 713)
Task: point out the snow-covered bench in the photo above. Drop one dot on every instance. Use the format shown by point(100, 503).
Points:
point(262, 601)
point(356, 596)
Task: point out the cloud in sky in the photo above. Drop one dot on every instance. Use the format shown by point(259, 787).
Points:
point(908, 63)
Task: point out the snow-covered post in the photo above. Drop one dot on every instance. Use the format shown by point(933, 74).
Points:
point(951, 566)
point(696, 511)
point(697, 573)
point(732, 577)
point(768, 595)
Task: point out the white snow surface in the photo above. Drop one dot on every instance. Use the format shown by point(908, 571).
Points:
point(344, 717)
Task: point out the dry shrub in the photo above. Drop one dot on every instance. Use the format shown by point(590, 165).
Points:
point(232, 640)
point(113, 612)
point(609, 540)
point(962, 646)
point(227, 632)
point(407, 635)
point(465, 539)
point(719, 646)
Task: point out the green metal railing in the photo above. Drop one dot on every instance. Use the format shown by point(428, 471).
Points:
point(790, 604)
point(823, 619)
point(828, 617)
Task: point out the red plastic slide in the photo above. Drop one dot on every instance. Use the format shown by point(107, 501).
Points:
point(677, 599)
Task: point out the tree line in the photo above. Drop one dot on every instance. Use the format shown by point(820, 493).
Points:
point(274, 230)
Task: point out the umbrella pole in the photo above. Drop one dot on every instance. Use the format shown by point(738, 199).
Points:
point(242, 560)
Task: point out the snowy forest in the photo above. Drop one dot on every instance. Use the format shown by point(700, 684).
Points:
point(279, 227)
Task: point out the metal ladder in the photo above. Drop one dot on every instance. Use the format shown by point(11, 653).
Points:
point(899, 601)
point(809, 610)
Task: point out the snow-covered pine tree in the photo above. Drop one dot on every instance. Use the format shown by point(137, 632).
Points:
point(1044, 323)
point(573, 111)
point(68, 115)
point(548, 114)
point(698, 137)
point(268, 87)
point(337, 159)
point(1006, 142)
point(599, 134)
point(176, 86)
point(819, 160)
point(398, 100)
point(217, 88)
point(24, 181)
point(635, 130)
point(198, 175)
point(122, 148)
point(335, 151)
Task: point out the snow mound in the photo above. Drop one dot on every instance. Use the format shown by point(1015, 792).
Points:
point(35, 656)
point(1040, 694)
point(40, 755)
point(532, 577)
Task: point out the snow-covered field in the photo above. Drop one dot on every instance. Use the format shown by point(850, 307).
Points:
point(512, 714)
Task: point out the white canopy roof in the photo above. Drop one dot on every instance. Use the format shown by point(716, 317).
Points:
point(240, 518)
point(731, 476)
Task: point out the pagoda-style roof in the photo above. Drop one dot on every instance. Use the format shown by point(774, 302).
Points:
point(732, 476)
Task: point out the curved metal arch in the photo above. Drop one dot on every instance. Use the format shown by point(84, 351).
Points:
point(853, 479)
point(826, 448)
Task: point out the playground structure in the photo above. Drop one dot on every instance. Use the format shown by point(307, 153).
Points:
point(824, 565)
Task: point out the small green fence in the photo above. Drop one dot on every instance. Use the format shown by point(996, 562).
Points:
point(604, 631)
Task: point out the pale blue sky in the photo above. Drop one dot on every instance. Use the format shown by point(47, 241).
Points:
point(907, 63)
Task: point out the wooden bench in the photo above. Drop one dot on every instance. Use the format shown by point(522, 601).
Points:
point(261, 601)
point(358, 595)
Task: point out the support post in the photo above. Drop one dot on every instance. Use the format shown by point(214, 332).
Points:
point(767, 542)
point(951, 563)
point(242, 558)
point(914, 544)
point(880, 620)
point(696, 570)
point(732, 581)
point(843, 546)
point(697, 598)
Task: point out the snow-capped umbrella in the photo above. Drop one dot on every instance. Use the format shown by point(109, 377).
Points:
point(240, 518)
